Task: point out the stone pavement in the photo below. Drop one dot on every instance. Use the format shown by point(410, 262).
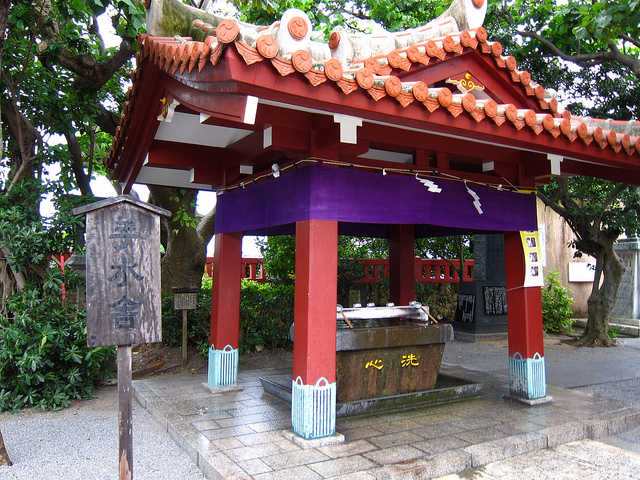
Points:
point(583, 460)
point(239, 435)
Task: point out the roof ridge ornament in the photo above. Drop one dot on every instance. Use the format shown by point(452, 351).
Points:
point(167, 18)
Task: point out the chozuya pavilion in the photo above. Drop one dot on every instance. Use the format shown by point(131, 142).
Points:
point(417, 133)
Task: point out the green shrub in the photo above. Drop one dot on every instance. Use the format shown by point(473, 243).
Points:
point(198, 320)
point(556, 305)
point(266, 314)
point(44, 358)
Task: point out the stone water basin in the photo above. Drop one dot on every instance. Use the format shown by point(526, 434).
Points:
point(386, 361)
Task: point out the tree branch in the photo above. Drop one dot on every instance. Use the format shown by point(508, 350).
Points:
point(627, 38)
point(609, 200)
point(77, 165)
point(587, 59)
point(205, 228)
point(22, 130)
point(93, 74)
point(553, 205)
point(18, 276)
point(107, 120)
point(95, 30)
point(358, 15)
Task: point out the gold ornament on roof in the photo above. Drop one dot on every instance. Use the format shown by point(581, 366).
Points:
point(466, 83)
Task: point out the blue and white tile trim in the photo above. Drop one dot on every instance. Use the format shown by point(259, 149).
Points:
point(527, 377)
point(313, 408)
point(223, 366)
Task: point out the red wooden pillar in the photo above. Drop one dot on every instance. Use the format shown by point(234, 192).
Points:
point(402, 284)
point(225, 310)
point(313, 397)
point(527, 377)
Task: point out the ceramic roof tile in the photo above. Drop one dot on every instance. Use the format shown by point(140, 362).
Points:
point(380, 72)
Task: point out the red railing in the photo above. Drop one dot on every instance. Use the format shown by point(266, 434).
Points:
point(441, 271)
point(375, 270)
point(252, 268)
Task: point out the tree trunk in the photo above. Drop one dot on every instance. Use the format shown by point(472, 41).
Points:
point(185, 251)
point(4, 455)
point(609, 271)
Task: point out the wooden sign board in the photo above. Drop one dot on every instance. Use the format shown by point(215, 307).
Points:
point(123, 272)
point(185, 298)
point(185, 301)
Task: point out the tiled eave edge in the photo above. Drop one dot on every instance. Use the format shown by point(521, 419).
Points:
point(374, 75)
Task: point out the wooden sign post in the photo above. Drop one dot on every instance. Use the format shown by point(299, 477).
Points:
point(184, 299)
point(123, 291)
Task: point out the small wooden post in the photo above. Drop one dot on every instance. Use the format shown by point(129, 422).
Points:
point(185, 360)
point(125, 424)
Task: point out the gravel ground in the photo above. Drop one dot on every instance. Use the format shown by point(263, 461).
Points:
point(81, 442)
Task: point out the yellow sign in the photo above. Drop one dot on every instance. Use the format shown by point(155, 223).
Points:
point(375, 364)
point(533, 276)
point(410, 360)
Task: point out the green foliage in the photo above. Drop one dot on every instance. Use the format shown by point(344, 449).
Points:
point(594, 208)
point(391, 14)
point(266, 314)
point(614, 331)
point(51, 88)
point(44, 358)
point(28, 238)
point(601, 21)
point(426, 290)
point(181, 215)
point(198, 320)
point(556, 305)
point(279, 257)
point(600, 37)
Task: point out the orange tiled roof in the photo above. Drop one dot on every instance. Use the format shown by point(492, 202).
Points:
point(380, 74)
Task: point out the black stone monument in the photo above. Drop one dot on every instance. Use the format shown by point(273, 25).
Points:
point(482, 303)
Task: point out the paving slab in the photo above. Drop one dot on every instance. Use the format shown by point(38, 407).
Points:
point(247, 430)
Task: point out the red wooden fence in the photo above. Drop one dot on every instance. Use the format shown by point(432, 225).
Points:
point(375, 270)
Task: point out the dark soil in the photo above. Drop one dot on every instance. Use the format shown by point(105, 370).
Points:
point(151, 360)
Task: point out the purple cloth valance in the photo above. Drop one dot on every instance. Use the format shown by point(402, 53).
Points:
point(366, 202)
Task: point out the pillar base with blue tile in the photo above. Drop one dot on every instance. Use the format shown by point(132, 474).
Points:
point(527, 379)
point(223, 367)
point(313, 408)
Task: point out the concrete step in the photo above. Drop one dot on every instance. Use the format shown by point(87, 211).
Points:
point(633, 322)
point(629, 327)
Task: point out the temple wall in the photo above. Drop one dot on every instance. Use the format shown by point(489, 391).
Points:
point(559, 255)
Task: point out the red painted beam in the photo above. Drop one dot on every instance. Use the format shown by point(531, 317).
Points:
point(226, 106)
point(141, 128)
point(164, 153)
point(207, 177)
